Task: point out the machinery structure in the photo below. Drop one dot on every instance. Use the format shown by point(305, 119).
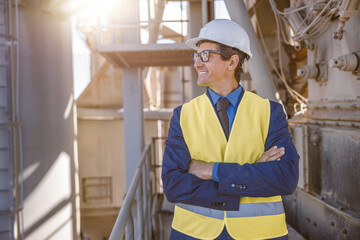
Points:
point(69, 164)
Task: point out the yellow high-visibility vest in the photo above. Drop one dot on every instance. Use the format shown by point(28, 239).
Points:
point(257, 218)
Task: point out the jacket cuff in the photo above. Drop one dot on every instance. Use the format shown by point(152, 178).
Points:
point(228, 182)
point(215, 172)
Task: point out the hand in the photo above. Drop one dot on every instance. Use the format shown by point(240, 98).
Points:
point(201, 169)
point(272, 154)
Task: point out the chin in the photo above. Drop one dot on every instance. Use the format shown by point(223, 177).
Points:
point(201, 82)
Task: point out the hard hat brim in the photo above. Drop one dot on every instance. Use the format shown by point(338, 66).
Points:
point(192, 42)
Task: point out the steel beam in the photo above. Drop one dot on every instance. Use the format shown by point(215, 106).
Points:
point(133, 120)
point(258, 69)
point(112, 114)
point(195, 12)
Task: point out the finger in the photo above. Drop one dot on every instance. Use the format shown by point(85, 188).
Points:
point(277, 152)
point(274, 154)
point(282, 153)
point(274, 150)
point(277, 156)
point(271, 150)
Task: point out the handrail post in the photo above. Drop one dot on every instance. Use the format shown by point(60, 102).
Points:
point(148, 197)
point(144, 197)
point(129, 235)
point(139, 212)
point(153, 163)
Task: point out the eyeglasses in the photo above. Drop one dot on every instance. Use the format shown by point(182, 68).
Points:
point(204, 55)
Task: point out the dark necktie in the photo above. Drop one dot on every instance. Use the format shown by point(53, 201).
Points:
point(221, 106)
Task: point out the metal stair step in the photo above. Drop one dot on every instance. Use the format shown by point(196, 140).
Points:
point(3, 75)
point(3, 96)
point(5, 225)
point(4, 138)
point(4, 179)
point(4, 117)
point(5, 213)
point(4, 159)
point(5, 200)
point(6, 235)
point(3, 56)
point(2, 29)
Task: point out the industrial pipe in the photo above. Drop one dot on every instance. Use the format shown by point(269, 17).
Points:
point(347, 62)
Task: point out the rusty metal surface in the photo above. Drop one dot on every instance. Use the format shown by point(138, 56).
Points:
point(340, 172)
point(330, 206)
point(334, 164)
point(335, 110)
point(316, 219)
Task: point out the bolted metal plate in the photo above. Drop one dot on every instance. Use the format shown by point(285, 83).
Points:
point(316, 219)
point(334, 165)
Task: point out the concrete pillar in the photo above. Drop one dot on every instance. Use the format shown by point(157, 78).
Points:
point(132, 94)
point(48, 138)
point(195, 12)
point(133, 120)
point(258, 69)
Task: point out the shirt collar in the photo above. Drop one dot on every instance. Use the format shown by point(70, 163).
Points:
point(233, 97)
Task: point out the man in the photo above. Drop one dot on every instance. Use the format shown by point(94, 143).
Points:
point(229, 155)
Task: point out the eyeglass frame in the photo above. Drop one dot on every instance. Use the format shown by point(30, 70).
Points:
point(195, 55)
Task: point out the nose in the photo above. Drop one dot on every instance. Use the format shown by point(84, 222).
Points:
point(198, 62)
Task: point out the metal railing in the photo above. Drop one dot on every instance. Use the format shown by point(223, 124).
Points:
point(135, 213)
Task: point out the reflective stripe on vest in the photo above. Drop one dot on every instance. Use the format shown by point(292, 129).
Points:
point(207, 212)
point(245, 210)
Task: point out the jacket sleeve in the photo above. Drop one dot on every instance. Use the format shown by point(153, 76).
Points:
point(179, 185)
point(267, 178)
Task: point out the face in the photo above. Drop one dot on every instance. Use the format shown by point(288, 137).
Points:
point(214, 72)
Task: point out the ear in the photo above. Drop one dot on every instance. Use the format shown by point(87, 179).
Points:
point(233, 62)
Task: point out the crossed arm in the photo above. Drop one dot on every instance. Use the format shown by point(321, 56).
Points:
point(183, 180)
point(204, 170)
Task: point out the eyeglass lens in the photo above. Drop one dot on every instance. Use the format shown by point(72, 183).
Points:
point(204, 56)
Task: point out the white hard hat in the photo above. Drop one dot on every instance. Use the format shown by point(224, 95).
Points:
point(223, 31)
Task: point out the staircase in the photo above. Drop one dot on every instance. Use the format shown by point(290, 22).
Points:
point(6, 170)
